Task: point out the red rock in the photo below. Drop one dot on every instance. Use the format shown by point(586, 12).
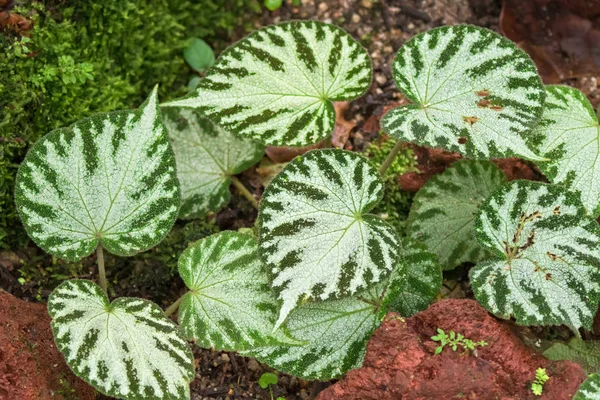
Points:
point(401, 365)
point(31, 367)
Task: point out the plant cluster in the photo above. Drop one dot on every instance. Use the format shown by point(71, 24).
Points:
point(305, 294)
point(453, 340)
point(537, 387)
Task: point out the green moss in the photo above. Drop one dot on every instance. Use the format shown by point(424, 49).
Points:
point(396, 202)
point(84, 57)
point(147, 273)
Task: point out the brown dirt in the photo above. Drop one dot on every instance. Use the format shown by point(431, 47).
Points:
point(30, 365)
point(401, 364)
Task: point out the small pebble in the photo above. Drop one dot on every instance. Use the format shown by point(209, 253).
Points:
point(380, 79)
point(323, 7)
point(355, 18)
point(225, 358)
point(253, 365)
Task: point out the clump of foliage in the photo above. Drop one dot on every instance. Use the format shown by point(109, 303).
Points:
point(85, 57)
point(306, 293)
point(453, 340)
point(395, 205)
point(541, 377)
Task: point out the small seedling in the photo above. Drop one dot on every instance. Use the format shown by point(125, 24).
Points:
point(540, 378)
point(267, 380)
point(453, 340)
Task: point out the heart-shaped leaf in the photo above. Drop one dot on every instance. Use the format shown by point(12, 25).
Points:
point(590, 389)
point(586, 353)
point(277, 85)
point(230, 305)
point(109, 179)
point(126, 349)
point(472, 91)
point(444, 210)
point(207, 156)
point(315, 235)
point(568, 136)
point(548, 266)
point(336, 333)
point(416, 280)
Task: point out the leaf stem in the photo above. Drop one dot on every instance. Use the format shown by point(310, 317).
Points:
point(173, 307)
point(101, 270)
point(245, 192)
point(390, 158)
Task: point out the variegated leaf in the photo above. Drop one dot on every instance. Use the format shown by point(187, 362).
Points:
point(586, 353)
point(416, 280)
point(108, 179)
point(230, 305)
point(207, 156)
point(590, 389)
point(472, 91)
point(547, 270)
point(569, 136)
point(126, 349)
point(278, 84)
point(316, 237)
point(444, 210)
point(336, 334)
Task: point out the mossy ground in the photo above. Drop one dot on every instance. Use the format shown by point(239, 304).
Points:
point(395, 205)
point(87, 56)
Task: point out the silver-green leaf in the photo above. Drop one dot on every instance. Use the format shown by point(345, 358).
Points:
point(590, 389)
point(415, 281)
point(444, 210)
point(278, 84)
point(569, 136)
point(207, 157)
point(126, 349)
point(315, 234)
point(336, 333)
point(547, 265)
point(472, 91)
point(109, 179)
point(230, 305)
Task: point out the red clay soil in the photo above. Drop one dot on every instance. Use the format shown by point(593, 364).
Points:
point(30, 365)
point(400, 363)
point(431, 162)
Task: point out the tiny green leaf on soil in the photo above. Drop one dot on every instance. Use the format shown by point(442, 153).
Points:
point(472, 91)
point(444, 210)
point(230, 305)
point(109, 180)
point(547, 265)
point(207, 156)
point(569, 136)
point(277, 85)
point(316, 236)
point(126, 349)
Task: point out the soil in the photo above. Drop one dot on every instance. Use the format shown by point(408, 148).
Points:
point(382, 26)
point(401, 363)
point(31, 368)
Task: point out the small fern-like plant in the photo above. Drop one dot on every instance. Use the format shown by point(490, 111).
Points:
point(306, 294)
